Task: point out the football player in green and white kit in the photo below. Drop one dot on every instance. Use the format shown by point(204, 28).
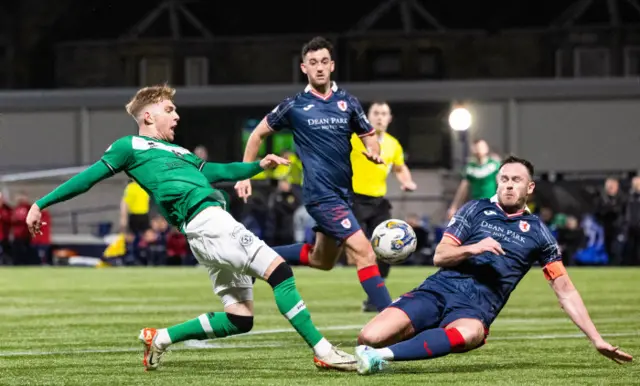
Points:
point(479, 179)
point(180, 183)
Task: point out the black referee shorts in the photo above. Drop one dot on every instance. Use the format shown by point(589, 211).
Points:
point(370, 211)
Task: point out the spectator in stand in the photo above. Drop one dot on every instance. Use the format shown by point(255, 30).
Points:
point(632, 225)
point(6, 219)
point(41, 242)
point(152, 248)
point(201, 152)
point(282, 205)
point(571, 238)
point(21, 246)
point(178, 249)
point(610, 207)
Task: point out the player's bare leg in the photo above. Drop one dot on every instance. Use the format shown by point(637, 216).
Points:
point(280, 277)
point(459, 336)
point(325, 252)
point(390, 326)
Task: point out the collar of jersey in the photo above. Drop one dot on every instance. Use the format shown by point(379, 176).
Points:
point(526, 210)
point(334, 88)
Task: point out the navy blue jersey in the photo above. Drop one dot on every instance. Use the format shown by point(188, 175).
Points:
point(524, 238)
point(322, 127)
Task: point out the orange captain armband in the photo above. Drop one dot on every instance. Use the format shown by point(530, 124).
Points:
point(554, 270)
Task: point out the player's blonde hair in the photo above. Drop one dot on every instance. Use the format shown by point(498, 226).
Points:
point(147, 96)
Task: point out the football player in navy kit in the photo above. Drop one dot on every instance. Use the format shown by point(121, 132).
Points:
point(323, 118)
point(488, 247)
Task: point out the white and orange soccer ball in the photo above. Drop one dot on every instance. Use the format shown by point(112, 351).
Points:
point(393, 241)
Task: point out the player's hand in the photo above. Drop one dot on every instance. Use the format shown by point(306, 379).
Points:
point(487, 244)
point(375, 158)
point(34, 220)
point(243, 188)
point(271, 161)
point(409, 186)
point(612, 352)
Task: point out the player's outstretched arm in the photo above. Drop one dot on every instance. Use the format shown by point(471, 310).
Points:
point(372, 147)
point(571, 302)
point(238, 171)
point(262, 131)
point(77, 185)
point(450, 253)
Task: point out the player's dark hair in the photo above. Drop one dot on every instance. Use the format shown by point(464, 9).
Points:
point(316, 44)
point(512, 159)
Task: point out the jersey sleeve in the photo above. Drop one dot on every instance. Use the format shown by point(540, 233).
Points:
point(278, 118)
point(549, 251)
point(398, 156)
point(118, 156)
point(359, 122)
point(461, 224)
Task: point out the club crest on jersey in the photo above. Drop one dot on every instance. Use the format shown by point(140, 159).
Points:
point(524, 226)
point(342, 105)
point(346, 224)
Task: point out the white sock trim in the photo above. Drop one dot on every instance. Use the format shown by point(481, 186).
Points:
point(162, 340)
point(295, 310)
point(205, 324)
point(385, 353)
point(322, 348)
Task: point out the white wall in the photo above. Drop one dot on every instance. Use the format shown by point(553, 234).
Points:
point(39, 138)
point(581, 135)
point(107, 126)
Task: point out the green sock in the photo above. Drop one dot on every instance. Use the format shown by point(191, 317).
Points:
point(206, 326)
point(292, 306)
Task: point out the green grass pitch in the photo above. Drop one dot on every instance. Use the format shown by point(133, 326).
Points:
point(66, 326)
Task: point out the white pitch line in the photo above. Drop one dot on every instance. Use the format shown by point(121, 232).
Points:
point(207, 345)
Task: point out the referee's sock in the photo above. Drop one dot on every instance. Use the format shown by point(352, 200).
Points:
point(295, 254)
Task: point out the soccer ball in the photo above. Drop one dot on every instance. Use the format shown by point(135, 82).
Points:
point(393, 241)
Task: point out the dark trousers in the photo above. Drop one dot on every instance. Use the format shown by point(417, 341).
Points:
point(632, 253)
point(370, 212)
point(22, 252)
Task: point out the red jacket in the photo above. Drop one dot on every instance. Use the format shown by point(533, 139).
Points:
point(6, 218)
point(20, 229)
point(45, 237)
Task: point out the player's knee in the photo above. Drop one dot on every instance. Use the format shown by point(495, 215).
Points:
point(242, 323)
point(371, 336)
point(281, 273)
point(472, 334)
point(360, 250)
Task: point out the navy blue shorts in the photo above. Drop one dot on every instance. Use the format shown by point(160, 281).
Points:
point(433, 305)
point(334, 218)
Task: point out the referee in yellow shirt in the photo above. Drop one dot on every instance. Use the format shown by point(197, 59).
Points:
point(370, 180)
point(134, 209)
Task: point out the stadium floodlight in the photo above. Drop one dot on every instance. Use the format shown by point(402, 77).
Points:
point(460, 119)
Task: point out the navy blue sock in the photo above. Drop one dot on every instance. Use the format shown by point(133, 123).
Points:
point(428, 344)
point(374, 286)
point(294, 254)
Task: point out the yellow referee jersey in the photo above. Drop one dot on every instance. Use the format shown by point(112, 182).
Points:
point(370, 179)
point(136, 198)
